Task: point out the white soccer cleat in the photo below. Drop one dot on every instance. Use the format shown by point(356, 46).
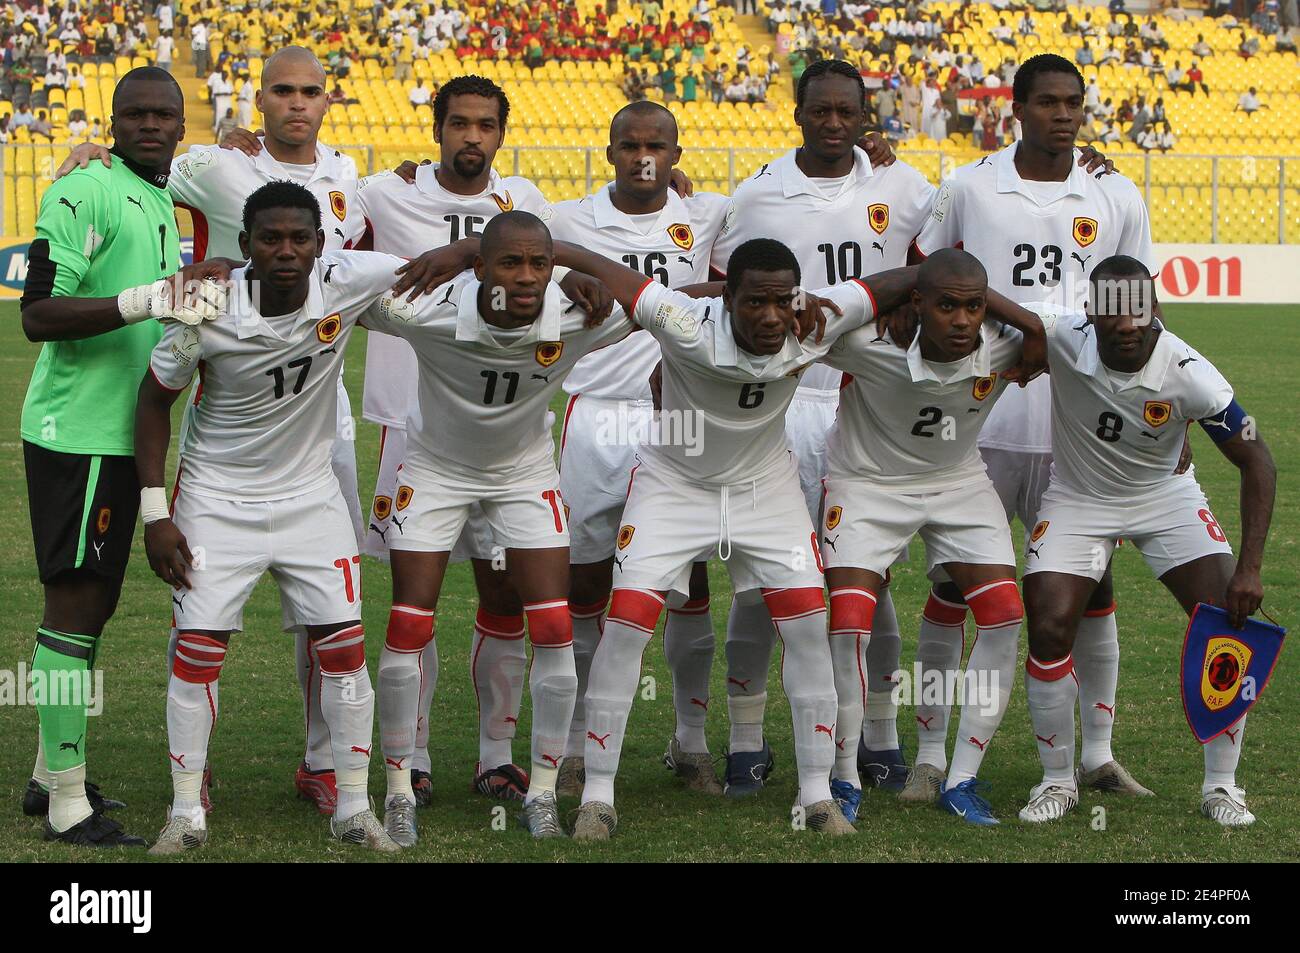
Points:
point(596, 821)
point(363, 828)
point(1227, 806)
point(924, 782)
point(826, 817)
point(1113, 777)
point(1049, 802)
point(694, 768)
point(180, 834)
point(572, 777)
point(399, 821)
point(541, 816)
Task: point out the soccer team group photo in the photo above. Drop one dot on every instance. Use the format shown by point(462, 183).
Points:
point(782, 431)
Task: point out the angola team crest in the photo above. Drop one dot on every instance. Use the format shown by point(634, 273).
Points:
point(1084, 231)
point(878, 217)
point(383, 507)
point(339, 205)
point(625, 535)
point(833, 516)
point(548, 352)
point(505, 204)
point(327, 328)
point(103, 519)
point(682, 236)
point(983, 386)
point(404, 494)
point(1156, 412)
point(1039, 530)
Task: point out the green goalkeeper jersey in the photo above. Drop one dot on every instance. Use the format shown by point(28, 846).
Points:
point(99, 232)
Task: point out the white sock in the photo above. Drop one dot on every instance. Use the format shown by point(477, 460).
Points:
point(320, 753)
point(611, 686)
point(553, 685)
point(1221, 757)
point(68, 802)
point(1096, 664)
point(1052, 692)
point(750, 640)
point(880, 727)
point(939, 648)
point(848, 659)
point(40, 773)
point(399, 699)
point(587, 622)
point(992, 663)
point(497, 662)
point(192, 708)
point(428, 686)
point(809, 680)
point(348, 707)
point(688, 648)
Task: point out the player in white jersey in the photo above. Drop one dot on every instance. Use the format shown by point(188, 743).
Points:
point(1124, 391)
point(255, 492)
point(448, 202)
point(1037, 223)
point(902, 460)
point(641, 221)
point(213, 184)
point(492, 347)
point(734, 367)
point(842, 219)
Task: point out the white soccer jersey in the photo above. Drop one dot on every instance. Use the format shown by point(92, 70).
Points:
point(409, 220)
point(484, 391)
point(1037, 241)
point(675, 252)
point(1116, 435)
point(735, 400)
point(213, 183)
point(906, 422)
point(265, 423)
point(865, 226)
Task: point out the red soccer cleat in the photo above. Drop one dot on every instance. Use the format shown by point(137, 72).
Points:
point(506, 783)
point(317, 786)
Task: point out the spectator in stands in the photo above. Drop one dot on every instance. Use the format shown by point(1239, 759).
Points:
point(244, 103)
point(1141, 120)
point(41, 126)
point(1152, 36)
point(77, 125)
point(1248, 102)
point(1158, 112)
point(1111, 54)
point(22, 117)
point(1088, 129)
point(667, 82)
point(1200, 47)
point(1282, 41)
point(1115, 7)
point(55, 78)
point(1174, 75)
point(419, 94)
point(4, 128)
point(736, 92)
point(199, 47)
point(222, 92)
point(1249, 46)
point(162, 51)
point(1195, 78)
point(1084, 55)
point(1003, 33)
point(1025, 26)
point(226, 124)
point(690, 85)
point(165, 15)
point(1166, 138)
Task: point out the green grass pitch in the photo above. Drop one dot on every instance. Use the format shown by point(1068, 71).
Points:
point(259, 735)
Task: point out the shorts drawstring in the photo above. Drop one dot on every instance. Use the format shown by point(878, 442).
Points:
point(724, 526)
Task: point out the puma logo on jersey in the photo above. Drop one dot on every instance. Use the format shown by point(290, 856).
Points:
point(179, 599)
point(99, 550)
point(72, 208)
point(827, 541)
point(687, 261)
point(136, 203)
point(447, 296)
point(981, 162)
point(332, 349)
point(1083, 262)
point(880, 247)
point(1222, 422)
point(763, 171)
point(619, 562)
point(541, 377)
point(1185, 361)
point(329, 270)
point(339, 233)
point(383, 533)
point(972, 410)
point(398, 523)
point(1031, 551)
point(1151, 435)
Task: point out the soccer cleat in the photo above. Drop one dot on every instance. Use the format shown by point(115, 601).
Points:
point(826, 817)
point(596, 821)
point(695, 768)
point(541, 817)
point(572, 777)
point(36, 800)
point(178, 836)
point(95, 831)
point(1049, 802)
point(1227, 806)
point(363, 828)
point(848, 798)
point(924, 783)
point(966, 801)
point(399, 821)
point(886, 770)
point(1114, 777)
point(318, 787)
point(422, 786)
point(747, 770)
point(506, 783)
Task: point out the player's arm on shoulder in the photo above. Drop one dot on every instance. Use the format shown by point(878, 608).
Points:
point(942, 228)
point(1235, 433)
point(82, 154)
point(623, 283)
point(1033, 347)
point(435, 267)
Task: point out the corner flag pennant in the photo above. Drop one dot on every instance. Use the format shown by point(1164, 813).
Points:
point(1224, 669)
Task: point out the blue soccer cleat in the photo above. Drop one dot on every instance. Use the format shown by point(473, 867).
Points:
point(886, 770)
point(848, 798)
point(966, 802)
point(747, 770)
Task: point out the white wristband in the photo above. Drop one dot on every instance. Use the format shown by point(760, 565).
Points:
point(134, 303)
point(153, 504)
point(559, 273)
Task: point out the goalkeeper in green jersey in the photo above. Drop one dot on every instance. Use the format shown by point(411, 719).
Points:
point(103, 271)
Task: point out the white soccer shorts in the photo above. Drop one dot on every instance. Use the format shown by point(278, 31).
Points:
point(386, 519)
point(1170, 527)
point(1021, 479)
point(306, 542)
point(430, 512)
point(343, 460)
point(759, 529)
point(868, 526)
point(808, 420)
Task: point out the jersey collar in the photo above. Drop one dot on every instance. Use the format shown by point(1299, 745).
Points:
point(155, 177)
point(470, 325)
point(794, 182)
point(974, 364)
point(727, 353)
point(426, 180)
point(1009, 179)
point(1152, 375)
point(328, 164)
point(249, 322)
point(607, 216)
